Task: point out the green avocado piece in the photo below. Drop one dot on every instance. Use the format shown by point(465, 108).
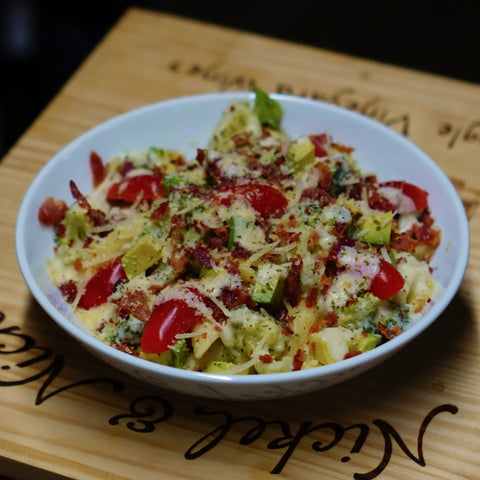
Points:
point(363, 342)
point(268, 284)
point(219, 367)
point(268, 110)
point(376, 229)
point(356, 312)
point(300, 154)
point(76, 222)
point(144, 253)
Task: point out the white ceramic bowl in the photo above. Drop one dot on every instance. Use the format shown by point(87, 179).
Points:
point(185, 124)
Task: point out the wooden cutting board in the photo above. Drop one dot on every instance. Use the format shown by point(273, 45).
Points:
point(64, 413)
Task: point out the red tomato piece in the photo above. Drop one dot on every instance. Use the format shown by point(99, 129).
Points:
point(419, 196)
point(387, 282)
point(101, 284)
point(167, 320)
point(320, 141)
point(98, 169)
point(262, 198)
point(129, 189)
point(52, 212)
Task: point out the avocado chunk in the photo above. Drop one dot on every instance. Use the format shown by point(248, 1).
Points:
point(331, 344)
point(300, 154)
point(268, 284)
point(357, 312)
point(238, 226)
point(220, 367)
point(144, 253)
point(363, 342)
point(268, 110)
point(188, 177)
point(376, 229)
point(76, 223)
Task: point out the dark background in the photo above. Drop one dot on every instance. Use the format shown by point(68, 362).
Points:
point(42, 42)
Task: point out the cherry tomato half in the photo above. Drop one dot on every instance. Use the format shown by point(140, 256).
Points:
point(262, 198)
point(167, 320)
point(418, 195)
point(319, 141)
point(101, 284)
point(128, 189)
point(387, 282)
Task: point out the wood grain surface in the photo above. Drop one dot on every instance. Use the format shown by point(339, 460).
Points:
point(65, 414)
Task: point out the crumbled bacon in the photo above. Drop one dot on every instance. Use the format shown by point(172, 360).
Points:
point(236, 297)
point(292, 287)
point(125, 348)
point(202, 254)
point(68, 290)
point(133, 303)
point(298, 360)
point(266, 358)
point(96, 216)
point(160, 212)
point(389, 333)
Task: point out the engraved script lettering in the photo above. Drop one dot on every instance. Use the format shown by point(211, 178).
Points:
point(37, 354)
point(289, 440)
point(144, 411)
point(453, 133)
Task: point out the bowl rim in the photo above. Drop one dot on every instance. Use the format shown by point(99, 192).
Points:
point(370, 357)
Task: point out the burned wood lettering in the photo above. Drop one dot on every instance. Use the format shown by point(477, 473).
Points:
point(147, 412)
point(454, 134)
point(347, 97)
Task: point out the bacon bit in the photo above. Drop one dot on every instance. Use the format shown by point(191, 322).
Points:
point(96, 216)
point(160, 212)
point(217, 328)
point(318, 195)
point(176, 229)
point(125, 168)
point(217, 237)
point(342, 148)
point(156, 289)
point(240, 252)
point(134, 303)
point(377, 201)
point(68, 290)
point(234, 298)
point(125, 348)
point(286, 330)
point(418, 235)
point(266, 358)
point(87, 242)
point(202, 254)
point(52, 212)
point(77, 264)
point(325, 177)
point(328, 319)
point(311, 299)
point(98, 169)
point(201, 155)
point(298, 360)
point(178, 262)
point(352, 354)
point(292, 288)
point(241, 139)
point(389, 333)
